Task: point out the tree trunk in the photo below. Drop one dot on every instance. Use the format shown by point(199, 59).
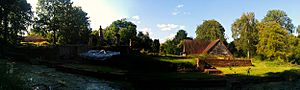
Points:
point(54, 37)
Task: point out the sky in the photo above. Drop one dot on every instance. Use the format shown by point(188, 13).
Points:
point(163, 18)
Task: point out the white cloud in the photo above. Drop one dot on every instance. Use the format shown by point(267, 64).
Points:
point(179, 10)
point(169, 37)
point(180, 6)
point(145, 30)
point(136, 17)
point(166, 27)
point(182, 27)
point(175, 13)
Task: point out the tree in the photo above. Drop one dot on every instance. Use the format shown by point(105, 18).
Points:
point(65, 23)
point(126, 30)
point(245, 33)
point(280, 17)
point(155, 46)
point(15, 17)
point(181, 35)
point(144, 42)
point(210, 29)
point(170, 47)
point(272, 40)
point(95, 38)
point(298, 30)
point(175, 46)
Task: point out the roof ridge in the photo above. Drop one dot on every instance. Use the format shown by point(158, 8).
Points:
point(210, 45)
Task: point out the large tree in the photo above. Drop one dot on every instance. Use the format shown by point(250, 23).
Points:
point(155, 46)
point(280, 17)
point(272, 40)
point(15, 17)
point(245, 33)
point(64, 22)
point(181, 34)
point(123, 28)
point(174, 46)
point(210, 30)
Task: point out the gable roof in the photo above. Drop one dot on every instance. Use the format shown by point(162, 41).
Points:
point(201, 46)
point(195, 46)
point(34, 39)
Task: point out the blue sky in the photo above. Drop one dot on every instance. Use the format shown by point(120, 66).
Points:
point(163, 18)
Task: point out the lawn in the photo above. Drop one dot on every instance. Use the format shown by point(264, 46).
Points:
point(177, 59)
point(260, 68)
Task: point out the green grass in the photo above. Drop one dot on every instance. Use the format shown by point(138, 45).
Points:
point(192, 61)
point(176, 59)
point(260, 68)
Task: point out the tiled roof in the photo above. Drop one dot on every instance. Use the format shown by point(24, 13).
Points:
point(34, 39)
point(195, 46)
point(213, 43)
point(198, 46)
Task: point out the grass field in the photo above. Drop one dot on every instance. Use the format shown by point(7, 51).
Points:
point(260, 68)
point(176, 59)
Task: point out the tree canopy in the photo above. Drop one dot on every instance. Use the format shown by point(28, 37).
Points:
point(245, 33)
point(280, 17)
point(181, 34)
point(125, 29)
point(174, 46)
point(272, 40)
point(211, 30)
point(15, 17)
point(62, 21)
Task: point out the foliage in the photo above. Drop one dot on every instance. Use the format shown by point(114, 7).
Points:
point(143, 42)
point(293, 49)
point(245, 33)
point(61, 21)
point(95, 38)
point(15, 16)
point(123, 28)
point(280, 17)
point(174, 46)
point(169, 47)
point(236, 53)
point(272, 41)
point(155, 46)
point(210, 30)
point(298, 31)
point(181, 35)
